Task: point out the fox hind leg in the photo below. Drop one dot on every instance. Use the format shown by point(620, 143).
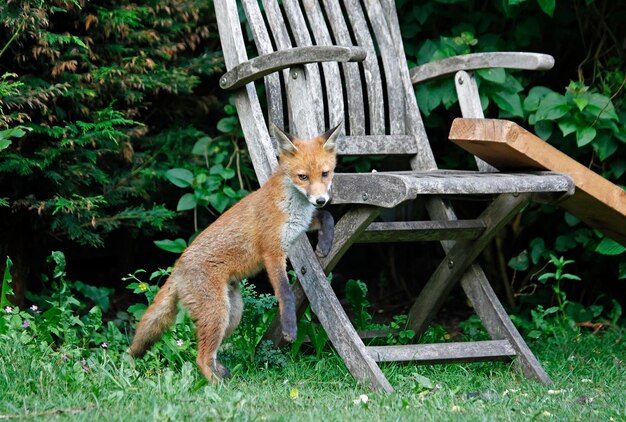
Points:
point(236, 307)
point(211, 315)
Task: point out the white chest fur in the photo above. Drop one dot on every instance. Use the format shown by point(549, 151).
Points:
point(299, 214)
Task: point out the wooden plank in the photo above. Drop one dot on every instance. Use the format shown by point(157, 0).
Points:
point(377, 145)
point(302, 38)
point(260, 66)
point(355, 106)
point(246, 100)
point(388, 189)
point(332, 77)
point(475, 61)
point(444, 352)
point(413, 231)
point(391, 65)
point(371, 70)
point(263, 44)
point(597, 202)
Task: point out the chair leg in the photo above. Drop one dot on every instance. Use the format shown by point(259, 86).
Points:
point(497, 321)
point(333, 318)
point(460, 255)
point(347, 230)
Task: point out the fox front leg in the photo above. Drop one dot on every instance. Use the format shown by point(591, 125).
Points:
point(324, 223)
point(276, 268)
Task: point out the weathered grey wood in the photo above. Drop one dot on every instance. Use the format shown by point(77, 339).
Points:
point(260, 66)
point(352, 76)
point(333, 318)
point(386, 189)
point(246, 101)
point(469, 101)
point(498, 324)
point(303, 38)
point(425, 160)
point(393, 79)
point(459, 258)
point(413, 231)
point(332, 77)
point(371, 70)
point(377, 145)
point(444, 352)
point(263, 44)
point(449, 66)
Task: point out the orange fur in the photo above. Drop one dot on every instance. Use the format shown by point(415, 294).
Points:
point(254, 234)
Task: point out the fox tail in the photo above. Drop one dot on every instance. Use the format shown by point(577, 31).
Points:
point(157, 318)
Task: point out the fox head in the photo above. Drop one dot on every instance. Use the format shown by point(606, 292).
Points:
point(309, 164)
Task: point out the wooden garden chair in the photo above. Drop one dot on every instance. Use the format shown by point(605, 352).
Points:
point(321, 62)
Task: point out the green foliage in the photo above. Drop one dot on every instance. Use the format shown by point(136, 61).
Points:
point(101, 99)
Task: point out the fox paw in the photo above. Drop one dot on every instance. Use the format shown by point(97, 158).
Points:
point(220, 370)
point(290, 333)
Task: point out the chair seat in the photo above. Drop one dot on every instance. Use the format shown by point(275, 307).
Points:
point(388, 189)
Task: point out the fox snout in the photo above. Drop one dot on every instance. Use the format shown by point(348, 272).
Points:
point(320, 201)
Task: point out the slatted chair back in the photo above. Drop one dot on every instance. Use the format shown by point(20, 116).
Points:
point(374, 98)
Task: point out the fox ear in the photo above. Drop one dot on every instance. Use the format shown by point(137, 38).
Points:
point(331, 137)
point(285, 144)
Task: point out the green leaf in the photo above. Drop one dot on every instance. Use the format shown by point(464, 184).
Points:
point(186, 202)
point(605, 145)
point(227, 124)
point(227, 173)
point(180, 177)
point(609, 247)
point(4, 143)
point(581, 102)
point(567, 126)
point(230, 192)
point(201, 147)
point(553, 106)
point(509, 102)
point(601, 107)
point(584, 135)
point(6, 288)
point(219, 201)
point(543, 129)
point(519, 262)
point(176, 246)
point(547, 6)
point(497, 76)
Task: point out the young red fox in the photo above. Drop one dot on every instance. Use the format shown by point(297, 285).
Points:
point(255, 233)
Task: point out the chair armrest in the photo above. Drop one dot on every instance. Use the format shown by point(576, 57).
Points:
point(260, 66)
point(449, 66)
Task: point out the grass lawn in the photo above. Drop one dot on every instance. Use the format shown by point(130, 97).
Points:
point(588, 373)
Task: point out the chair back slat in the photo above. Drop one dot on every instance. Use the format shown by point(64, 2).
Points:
point(374, 87)
point(332, 76)
point(352, 76)
point(312, 73)
point(374, 97)
point(273, 86)
point(391, 63)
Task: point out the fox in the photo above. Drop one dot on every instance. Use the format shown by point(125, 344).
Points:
point(256, 233)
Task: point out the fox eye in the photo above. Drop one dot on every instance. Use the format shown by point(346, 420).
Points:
point(303, 177)
point(324, 174)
